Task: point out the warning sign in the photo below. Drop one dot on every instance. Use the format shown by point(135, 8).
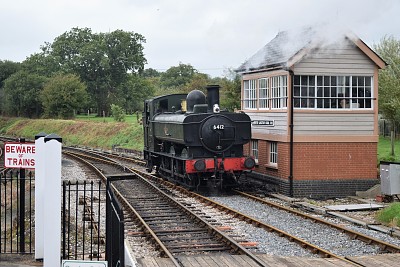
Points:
point(19, 155)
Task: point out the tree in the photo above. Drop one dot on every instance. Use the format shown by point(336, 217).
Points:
point(231, 90)
point(133, 93)
point(41, 63)
point(21, 94)
point(199, 81)
point(7, 68)
point(102, 61)
point(62, 96)
point(148, 73)
point(389, 81)
point(178, 76)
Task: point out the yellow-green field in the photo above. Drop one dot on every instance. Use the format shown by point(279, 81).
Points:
point(95, 132)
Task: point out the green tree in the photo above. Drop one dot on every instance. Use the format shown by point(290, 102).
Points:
point(7, 68)
point(389, 81)
point(41, 63)
point(199, 81)
point(21, 94)
point(231, 90)
point(133, 93)
point(118, 113)
point(103, 61)
point(62, 95)
point(148, 73)
point(178, 76)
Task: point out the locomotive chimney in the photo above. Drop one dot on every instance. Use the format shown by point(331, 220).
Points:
point(213, 98)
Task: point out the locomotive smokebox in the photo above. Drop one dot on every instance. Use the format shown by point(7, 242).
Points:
point(213, 98)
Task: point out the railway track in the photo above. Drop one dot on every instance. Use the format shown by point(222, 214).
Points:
point(304, 244)
point(384, 246)
point(207, 201)
point(178, 247)
point(175, 229)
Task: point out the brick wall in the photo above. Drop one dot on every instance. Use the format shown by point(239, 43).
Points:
point(321, 170)
point(317, 189)
point(316, 161)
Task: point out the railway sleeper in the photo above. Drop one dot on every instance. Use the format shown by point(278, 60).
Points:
point(184, 238)
point(176, 231)
point(196, 245)
point(221, 248)
point(162, 217)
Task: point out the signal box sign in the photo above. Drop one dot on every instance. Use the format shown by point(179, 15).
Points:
point(19, 155)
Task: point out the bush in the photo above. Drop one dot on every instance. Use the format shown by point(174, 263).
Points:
point(118, 113)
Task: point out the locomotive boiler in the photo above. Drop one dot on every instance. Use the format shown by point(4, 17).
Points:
point(189, 140)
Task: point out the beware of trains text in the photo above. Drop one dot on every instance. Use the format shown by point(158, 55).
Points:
point(19, 155)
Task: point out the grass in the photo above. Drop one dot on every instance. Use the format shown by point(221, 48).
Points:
point(94, 118)
point(384, 150)
point(390, 215)
point(88, 132)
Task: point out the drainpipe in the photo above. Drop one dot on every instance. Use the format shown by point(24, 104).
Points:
point(291, 133)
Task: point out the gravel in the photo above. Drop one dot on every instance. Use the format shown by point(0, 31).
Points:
point(268, 243)
point(320, 235)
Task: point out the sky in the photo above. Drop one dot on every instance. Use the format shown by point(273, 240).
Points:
point(211, 35)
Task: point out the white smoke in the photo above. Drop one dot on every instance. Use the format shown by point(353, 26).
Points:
point(288, 43)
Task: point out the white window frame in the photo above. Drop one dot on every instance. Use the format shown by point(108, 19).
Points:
point(250, 94)
point(278, 85)
point(345, 92)
point(273, 153)
point(263, 93)
point(254, 149)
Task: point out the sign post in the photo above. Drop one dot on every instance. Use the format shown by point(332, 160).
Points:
point(22, 206)
point(20, 156)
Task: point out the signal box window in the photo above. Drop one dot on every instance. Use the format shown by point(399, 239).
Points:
point(254, 149)
point(265, 93)
point(250, 94)
point(333, 92)
point(273, 153)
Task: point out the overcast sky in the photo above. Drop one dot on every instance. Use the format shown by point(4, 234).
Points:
point(210, 35)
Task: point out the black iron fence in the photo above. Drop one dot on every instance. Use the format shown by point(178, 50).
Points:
point(83, 220)
point(114, 227)
point(84, 216)
point(16, 212)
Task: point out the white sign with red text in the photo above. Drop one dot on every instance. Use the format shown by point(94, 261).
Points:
point(19, 155)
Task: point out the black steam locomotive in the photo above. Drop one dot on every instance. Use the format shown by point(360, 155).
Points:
point(190, 141)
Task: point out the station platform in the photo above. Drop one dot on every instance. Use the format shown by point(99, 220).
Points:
point(383, 260)
point(224, 260)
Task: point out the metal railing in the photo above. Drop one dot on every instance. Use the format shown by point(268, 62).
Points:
point(83, 220)
point(16, 212)
point(115, 228)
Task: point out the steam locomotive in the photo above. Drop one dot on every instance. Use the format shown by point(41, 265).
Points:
point(189, 140)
